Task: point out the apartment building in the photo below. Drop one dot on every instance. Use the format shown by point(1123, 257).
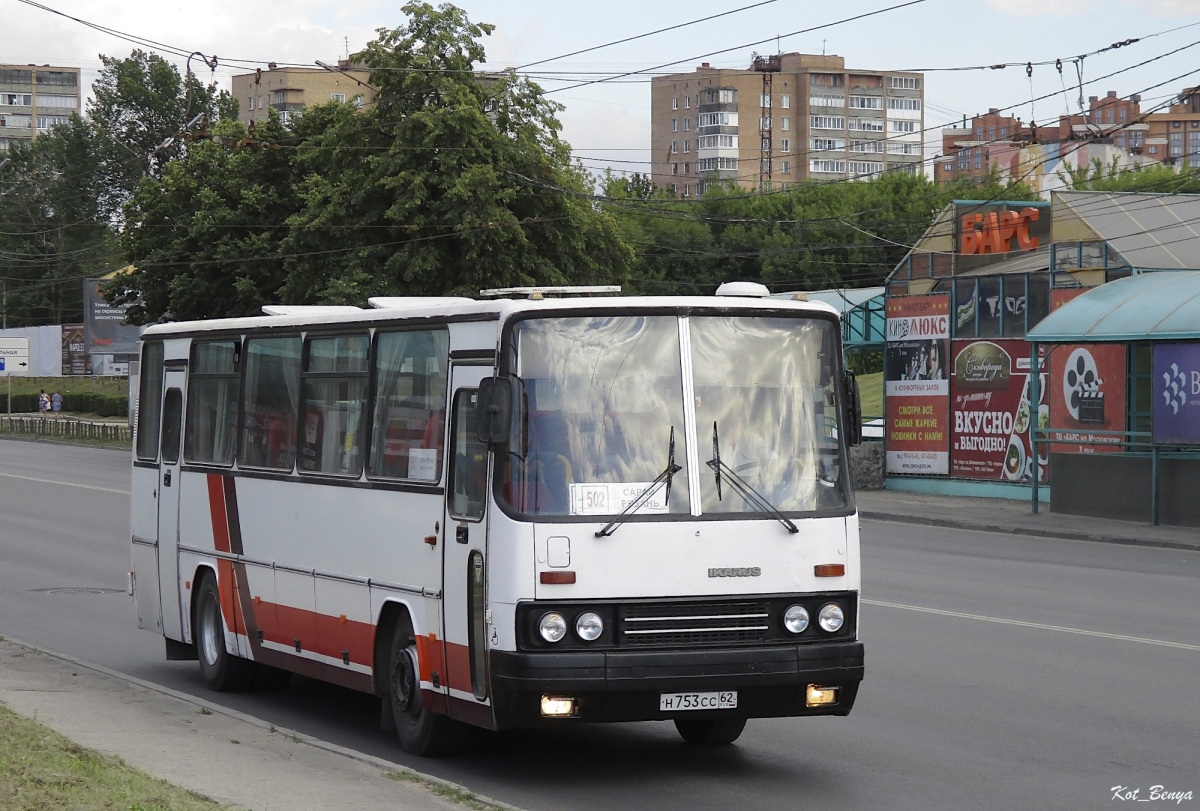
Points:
point(289, 89)
point(33, 98)
point(788, 118)
point(1170, 136)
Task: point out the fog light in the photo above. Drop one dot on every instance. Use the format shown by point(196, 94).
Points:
point(795, 619)
point(556, 707)
point(816, 697)
point(552, 626)
point(589, 626)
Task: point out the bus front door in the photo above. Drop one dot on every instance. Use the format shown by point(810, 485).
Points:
point(168, 503)
point(464, 598)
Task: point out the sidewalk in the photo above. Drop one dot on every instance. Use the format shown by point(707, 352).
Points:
point(230, 757)
point(1014, 517)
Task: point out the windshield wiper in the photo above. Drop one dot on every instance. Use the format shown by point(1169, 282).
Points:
point(743, 488)
point(662, 479)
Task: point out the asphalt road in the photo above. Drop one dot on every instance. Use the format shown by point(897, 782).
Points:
point(1002, 672)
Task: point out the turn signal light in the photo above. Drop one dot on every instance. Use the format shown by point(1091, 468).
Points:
point(557, 707)
point(815, 697)
point(830, 570)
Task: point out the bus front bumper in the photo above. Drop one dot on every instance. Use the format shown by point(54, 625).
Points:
point(627, 685)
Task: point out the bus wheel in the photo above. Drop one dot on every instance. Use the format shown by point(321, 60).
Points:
point(421, 732)
point(221, 670)
point(710, 731)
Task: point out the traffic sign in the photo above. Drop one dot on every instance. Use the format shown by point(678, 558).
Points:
point(14, 356)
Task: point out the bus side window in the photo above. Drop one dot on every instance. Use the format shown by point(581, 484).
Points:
point(335, 394)
point(211, 422)
point(410, 405)
point(271, 401)
point(469, 469)
point(149, 402)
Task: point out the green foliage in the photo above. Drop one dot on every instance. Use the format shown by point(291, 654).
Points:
point(811, 236)
point(86, 402)
point(1154, 177)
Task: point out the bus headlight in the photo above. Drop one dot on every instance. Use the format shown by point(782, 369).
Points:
point(552, 626)
point(795, 619)
point(831, 617)
point(589, 626)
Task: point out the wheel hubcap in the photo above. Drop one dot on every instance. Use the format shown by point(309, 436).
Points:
point(209, 635)
point(405, 686)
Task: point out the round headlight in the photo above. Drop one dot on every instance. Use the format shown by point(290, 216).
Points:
point(589, 626)
point(795, 619)
point(831, 617)
point(552, 626)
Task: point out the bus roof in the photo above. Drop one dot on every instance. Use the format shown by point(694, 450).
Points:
point(298, 317)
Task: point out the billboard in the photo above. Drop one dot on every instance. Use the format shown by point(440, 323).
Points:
point(992, 412)
point(75, 359)
point(1176, 413)
point(917, 385)
point(104, 325)
point(1087, 393)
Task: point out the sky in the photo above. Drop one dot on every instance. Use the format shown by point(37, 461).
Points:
point(608, 123)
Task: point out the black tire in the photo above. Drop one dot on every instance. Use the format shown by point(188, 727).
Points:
point(421, 732)
point(710, 731)
point(222, 671)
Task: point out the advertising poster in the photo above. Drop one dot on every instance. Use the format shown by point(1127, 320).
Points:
point(1176, 413)
point(917, 385)
point(75, 359)
point(992, 412)
point(1087, 393)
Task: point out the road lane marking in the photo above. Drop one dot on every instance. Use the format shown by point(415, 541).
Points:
point(66, 484)
point(1043, 626)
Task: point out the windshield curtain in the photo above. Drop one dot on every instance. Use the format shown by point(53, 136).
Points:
point(601, 397)
point(766, 384)
point(603, 394)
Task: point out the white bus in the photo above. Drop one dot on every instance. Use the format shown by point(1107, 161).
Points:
point(508, 512)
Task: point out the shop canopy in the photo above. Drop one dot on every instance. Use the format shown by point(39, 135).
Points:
point(1155, 306)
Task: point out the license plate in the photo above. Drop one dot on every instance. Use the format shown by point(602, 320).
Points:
point(677, 702)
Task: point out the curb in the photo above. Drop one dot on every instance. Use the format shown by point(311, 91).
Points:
point(385, 766)
point(1059, 534)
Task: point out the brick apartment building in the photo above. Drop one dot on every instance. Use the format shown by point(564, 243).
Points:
point(33, 98)
point(786, 119)
point(1171, 136)
point(289, 90)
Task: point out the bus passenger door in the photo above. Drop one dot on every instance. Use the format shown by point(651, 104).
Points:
point(464, 599)
point(168, 502)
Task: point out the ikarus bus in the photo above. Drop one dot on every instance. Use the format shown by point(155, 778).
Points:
point(528, 510)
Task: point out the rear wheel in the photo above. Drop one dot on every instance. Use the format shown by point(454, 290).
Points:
point(421, 732)
point(222, 671)
point(710, 731)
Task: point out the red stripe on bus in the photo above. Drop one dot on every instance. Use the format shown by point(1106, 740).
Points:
point(216, 507)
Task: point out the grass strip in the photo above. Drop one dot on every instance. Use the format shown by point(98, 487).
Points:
point(458, 796)
point(41, 770)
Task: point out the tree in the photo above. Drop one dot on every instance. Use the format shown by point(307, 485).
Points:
point(1154, 177)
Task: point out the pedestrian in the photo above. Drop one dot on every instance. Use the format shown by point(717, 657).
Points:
point(56, 404)
point(43, 403)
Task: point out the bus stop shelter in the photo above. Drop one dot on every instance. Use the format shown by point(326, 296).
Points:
point(1152, 470)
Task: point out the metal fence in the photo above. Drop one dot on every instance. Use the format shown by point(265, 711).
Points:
point(66, 428)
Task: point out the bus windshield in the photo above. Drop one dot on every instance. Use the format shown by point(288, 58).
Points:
point(604, 407)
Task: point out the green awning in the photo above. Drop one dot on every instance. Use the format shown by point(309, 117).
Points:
point(1157, 306)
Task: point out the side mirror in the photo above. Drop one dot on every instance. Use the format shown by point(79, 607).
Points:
point(853, 416)
point(496, 398)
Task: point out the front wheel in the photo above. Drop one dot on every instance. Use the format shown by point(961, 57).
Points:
point(710, 731)
point(222, 671)
point(421, 732)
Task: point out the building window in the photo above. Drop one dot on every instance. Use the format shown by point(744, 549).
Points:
point(1153, 150)
point(1175, 125)
point(251, 107)
point(1121, 115)
point(785, 167)
point(687, 145)
point(674, 189)
point(674, 147)
point(16, 99)
point(764, 101)
point(1176, 144)
point(338, 97)
point(785, 144)
point(687, 190)
point(764, 122)
point(687, 124)
point(728, 96)
point(674, 125)
point(1109, 117)
point(867, 124)
point(714, 120)
point(827, 166)
point(787, 124)
point(687, 102)
point(359, 101)
point(675, 103)
point(904, 82)
point(687, 168)
point(827, 122)
point(828, 79)
point(69, 102)
point(1003, 132)
point(903, 126)
point(865, 168)
point(904, 104)
point(45, 122)
point(820, 144)
point(867, 103)
point(1194, 149)
point(826, 101)
point(674, 168)
point(979, 133)
point(978, 161)
point(785, 101)
point(866, 146)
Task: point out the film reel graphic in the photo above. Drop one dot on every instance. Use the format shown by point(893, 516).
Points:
point(1080, 375)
